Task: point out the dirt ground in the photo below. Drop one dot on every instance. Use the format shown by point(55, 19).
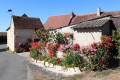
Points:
point(104, 75)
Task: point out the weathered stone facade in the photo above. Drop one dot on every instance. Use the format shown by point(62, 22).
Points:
point(10, 37)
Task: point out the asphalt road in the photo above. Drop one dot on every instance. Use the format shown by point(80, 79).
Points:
point(12, 66)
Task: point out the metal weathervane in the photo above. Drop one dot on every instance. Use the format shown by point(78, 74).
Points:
point(10, 11)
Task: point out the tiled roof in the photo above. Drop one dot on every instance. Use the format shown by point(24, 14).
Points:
point(84, 17)
point(92, 23)
point(27, 22)
point(58, 21)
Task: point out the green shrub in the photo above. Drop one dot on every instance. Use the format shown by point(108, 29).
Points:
point(3, 38)
point(34, 53)
point(46, 59)
point(102, 55)
point(60, 38)
point(53, 60)
point(116, 40)
point(73, 60)
point(100, 60)
point(41, 57)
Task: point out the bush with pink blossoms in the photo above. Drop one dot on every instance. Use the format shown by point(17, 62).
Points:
point(64, 47)
point(76, 47)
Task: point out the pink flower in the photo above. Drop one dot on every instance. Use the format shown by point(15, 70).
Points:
point(63, 47)
point(76, 47)
point(20, 43)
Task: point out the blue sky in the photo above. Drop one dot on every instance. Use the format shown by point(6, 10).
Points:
point(45, 8)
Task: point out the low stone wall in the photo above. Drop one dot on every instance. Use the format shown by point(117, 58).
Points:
point(55, 68)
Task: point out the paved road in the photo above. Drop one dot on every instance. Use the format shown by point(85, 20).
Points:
point(12, 66)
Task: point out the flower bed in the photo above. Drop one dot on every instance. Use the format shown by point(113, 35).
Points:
point(23, 47)
point(58, 51)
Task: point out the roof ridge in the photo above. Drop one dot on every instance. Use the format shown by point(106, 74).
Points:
point(85, 14)
point(112, 11)
point(26, 17)
point(95, 13)
point(60, 15)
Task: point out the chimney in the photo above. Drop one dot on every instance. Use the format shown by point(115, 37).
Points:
point(98, 11)
point(24, 15)
point(72, 14)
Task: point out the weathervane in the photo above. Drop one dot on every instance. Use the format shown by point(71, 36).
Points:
point(10, 11)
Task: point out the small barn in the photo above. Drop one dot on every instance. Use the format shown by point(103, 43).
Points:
point(21, 29)
point(90, 31)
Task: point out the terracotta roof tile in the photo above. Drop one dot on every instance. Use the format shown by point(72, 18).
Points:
point(58, 21)
point(84, 17)
point(27, 22)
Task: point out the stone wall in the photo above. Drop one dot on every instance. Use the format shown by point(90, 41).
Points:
point(67, 29)
point(87, 36)
point(22, 35)
point(10, 37)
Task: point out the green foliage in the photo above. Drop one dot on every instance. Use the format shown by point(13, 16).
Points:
point(6, 48)
point(54, 36)
point(3, 38)
point(19, 49)
point(43, 34)
point(34, 53)
point(60, 38)
point(101, 59)
point(101, 74)
point(116, 40)
point(46, 59)
point(73, 60)
point(53, 60)
point(42, 58)
point(22, 48)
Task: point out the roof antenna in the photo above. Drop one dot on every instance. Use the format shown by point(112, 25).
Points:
point(10, 12)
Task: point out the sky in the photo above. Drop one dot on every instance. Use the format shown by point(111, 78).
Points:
point(43, 9)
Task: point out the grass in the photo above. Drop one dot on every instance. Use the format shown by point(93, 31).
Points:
point(101, 74)
point(75, 77)
point(118, 68)
point(79, 76)
point(51, 79)
point(6, 48)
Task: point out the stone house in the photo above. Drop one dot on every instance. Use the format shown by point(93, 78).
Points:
point(21, 29)
point(87, 28)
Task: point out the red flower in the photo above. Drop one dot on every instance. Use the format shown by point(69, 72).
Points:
point(94, 44)
point(58, 60)
point(24, 49)
point(29, 40)
point(76, 47)
point(92, 60)
point(58, 45)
